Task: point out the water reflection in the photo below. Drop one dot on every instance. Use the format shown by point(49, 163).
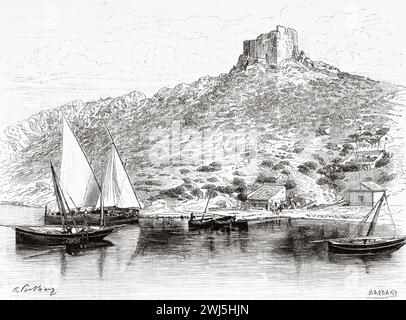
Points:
point(160, 253)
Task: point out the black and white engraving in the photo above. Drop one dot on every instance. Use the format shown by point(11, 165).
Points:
point(230, 150)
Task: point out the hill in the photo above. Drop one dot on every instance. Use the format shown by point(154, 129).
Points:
point(286, 122)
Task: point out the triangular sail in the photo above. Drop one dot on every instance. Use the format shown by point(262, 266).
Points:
point(117, 188)
point(77, 177)
point(375, 219)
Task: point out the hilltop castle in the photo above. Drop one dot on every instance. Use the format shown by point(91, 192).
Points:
point(272, 48)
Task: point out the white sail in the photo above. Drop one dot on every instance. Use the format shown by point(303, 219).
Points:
point(117, 188)
point(77, 178)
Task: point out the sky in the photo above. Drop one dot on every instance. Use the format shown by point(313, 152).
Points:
point(56, 52)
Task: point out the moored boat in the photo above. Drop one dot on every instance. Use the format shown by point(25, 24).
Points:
point(369, 244)
point(83, 191)
point(62, 235)
point(93, 218)
point(55, 235)
point(211, 222)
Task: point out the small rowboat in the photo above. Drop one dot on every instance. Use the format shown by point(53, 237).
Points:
point(368, 244)
point(212, 222)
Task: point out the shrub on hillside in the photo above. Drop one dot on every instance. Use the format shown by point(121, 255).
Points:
point(173, 192)
point(242, 196)
point(281, 165)
point(307, 167)
point(319, 159)
point(225, 189)
point(349, 167)
point(332, 146)
point(262, 178)
point(385, 177)
point(240, 185)
point(383, 161)
point(323, 180)
point(213, 179)
point(197, 193)
point(152, 183)
point(209, 186)
point(290, 184)
point(214, 166)
point(382, 131)
point(267, 163)
point(184, 171)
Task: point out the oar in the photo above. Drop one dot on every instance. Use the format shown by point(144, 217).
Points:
point(46, 252)
point(323, 240)
point(6, 225)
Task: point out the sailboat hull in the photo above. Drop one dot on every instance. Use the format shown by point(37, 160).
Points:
point(92, 219)
point(53, 236)
point(369, 247)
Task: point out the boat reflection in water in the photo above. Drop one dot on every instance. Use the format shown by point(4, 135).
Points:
point(75, 250)
point(165, 259)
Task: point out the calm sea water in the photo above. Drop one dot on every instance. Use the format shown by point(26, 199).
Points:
point(167, 261)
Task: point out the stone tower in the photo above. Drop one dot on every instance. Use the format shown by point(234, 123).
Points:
point(272, 48)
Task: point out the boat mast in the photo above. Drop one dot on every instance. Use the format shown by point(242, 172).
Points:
point(361, 223)
point(375, 218)
point(61, 200)
point(58, 196)
point(102, 218)
point(390, 214)
point(207, 203)
point(121, 160)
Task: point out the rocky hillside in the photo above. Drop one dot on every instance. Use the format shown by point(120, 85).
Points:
point(263, 122)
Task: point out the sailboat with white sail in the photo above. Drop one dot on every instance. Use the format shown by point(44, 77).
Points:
point(77, 189)
point(118, 195)
point(80, 183)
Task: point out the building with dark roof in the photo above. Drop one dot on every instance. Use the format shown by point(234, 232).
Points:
point(367, 194)
point(267, 197)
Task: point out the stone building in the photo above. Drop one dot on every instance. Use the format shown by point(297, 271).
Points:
point(272, 48)
point(367, 194)
point(267, 197)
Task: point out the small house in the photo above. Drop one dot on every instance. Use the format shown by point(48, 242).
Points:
point(367, 194)
point(267, 197)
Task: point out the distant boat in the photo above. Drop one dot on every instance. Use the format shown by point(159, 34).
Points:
point(369, 244)
point(65, 234)
point(80, 183)
point(118, 195)
point(210, 222)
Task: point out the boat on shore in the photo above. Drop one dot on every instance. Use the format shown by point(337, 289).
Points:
point(369, 244)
